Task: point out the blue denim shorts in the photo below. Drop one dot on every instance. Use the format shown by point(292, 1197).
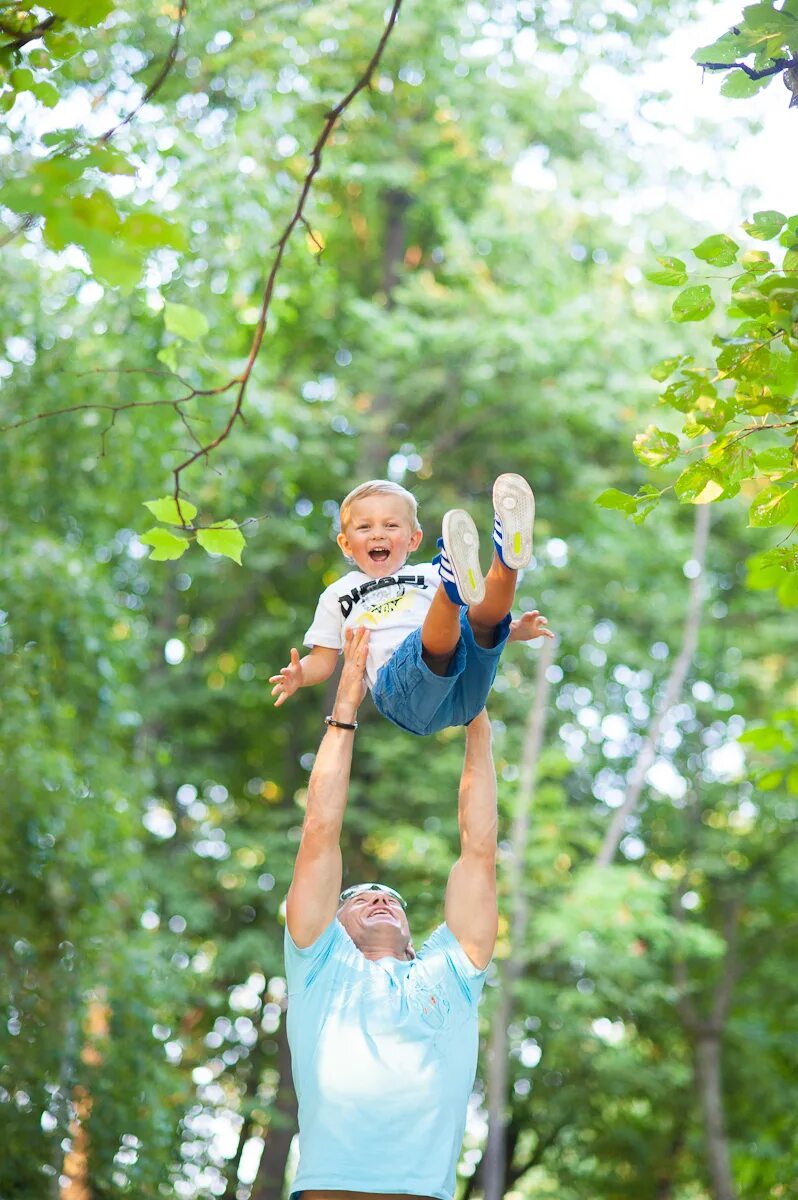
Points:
point(408, 693)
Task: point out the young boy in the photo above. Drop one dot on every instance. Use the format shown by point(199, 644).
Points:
point(438, 629)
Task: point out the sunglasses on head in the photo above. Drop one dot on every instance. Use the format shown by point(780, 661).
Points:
point(357, 888)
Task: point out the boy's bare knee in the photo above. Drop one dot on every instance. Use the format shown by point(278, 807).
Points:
point(484, 635)
point(437, 663)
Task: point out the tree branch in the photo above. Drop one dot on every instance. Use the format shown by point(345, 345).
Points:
point(673, 689)
point(168, 63)
point(21, 39)
point(779, 64)
point(297, 217)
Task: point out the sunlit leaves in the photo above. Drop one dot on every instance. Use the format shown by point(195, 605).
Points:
point(739, 86)
point(166, 510)
point(693, 304)
point(83, 12)
point(774, 505)
point(185, 321)
point(166, 545)
point(636, 507)
point(655, 447)
point(672, 272)
point(765, 225)
point(718, 249)
point(223, 538)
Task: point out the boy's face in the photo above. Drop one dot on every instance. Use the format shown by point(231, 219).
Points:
point(378, 534)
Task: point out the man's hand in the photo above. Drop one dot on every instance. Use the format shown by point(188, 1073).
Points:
point(529, 626)
point(290, 679)
point(352, 684)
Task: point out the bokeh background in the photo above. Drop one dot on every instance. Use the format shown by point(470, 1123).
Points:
point(487, 209)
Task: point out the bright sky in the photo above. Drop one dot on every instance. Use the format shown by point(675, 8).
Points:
point(762, 161)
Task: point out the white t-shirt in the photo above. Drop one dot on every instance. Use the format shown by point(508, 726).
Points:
point(391, 607)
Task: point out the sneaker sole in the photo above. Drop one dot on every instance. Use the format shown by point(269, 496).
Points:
point(514, 502)
point(461, 540)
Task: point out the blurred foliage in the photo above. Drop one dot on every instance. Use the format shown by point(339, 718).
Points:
point(457, 323)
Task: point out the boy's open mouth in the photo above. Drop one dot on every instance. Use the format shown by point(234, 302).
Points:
point(379, 555)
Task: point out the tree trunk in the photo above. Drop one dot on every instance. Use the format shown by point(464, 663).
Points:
point(707, 1035)
point(271, 1172)
point(673, 690)
point(494, 1164)
point(376, 449)
point(708, 1072)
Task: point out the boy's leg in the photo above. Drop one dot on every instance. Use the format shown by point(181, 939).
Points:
point(440, 632)
point(483, 618)
point(461, 583)
point(514, 509)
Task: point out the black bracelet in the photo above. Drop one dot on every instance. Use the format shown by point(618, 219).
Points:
point(339, 724)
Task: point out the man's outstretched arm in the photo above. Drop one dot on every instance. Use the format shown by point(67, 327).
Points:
point(313, 896)
point(471, 911)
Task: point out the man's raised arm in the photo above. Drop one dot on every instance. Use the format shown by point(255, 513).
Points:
point(471, 911)
point(313, 896)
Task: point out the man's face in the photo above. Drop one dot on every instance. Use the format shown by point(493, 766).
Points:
point(378, 534)
point(376, 919)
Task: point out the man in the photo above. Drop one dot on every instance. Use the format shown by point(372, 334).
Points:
point(384, 1039)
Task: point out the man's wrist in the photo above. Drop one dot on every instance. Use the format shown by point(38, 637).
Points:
point(344, 712)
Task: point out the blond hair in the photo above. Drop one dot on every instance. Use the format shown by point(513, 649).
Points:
point(379, 487)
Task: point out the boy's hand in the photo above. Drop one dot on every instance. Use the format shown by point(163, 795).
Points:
point(530, 625)
point(290, 679)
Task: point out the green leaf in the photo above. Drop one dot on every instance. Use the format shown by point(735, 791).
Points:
point(647, 500)
point(223, 538)
point(718, 249)
point(655, 447)
point(692, 482)
point(739, 86)
point(767, 20)
point(165, 545)
point(769, 781)
point(788, 591)
point(773, 505)
point(790, 263)
point(757, 262)
point(666, 366)
point(765, 738)
point(693, 304)
point(711, 491)
point(673, 273)
point(168, 355)
point(166, 510)
point(765, 225)
point(83, 12)
point(185, 321)
point(774, 458)
point(117, 270)
point(151, 232)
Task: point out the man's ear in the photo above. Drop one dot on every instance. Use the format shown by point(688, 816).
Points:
point(343, 543)
point(415, 540)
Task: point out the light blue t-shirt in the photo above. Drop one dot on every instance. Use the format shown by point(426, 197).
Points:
point(384, 1056)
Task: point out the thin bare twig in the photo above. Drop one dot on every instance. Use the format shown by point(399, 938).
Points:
point(331, 119)
point(159, 79)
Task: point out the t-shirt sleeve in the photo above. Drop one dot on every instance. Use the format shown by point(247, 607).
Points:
point(444, 945)
point(327, 627)
point(303, 964)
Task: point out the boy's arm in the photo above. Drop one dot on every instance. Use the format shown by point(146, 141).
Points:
point(315, 667)
point(313, 896)
point(471, 911)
